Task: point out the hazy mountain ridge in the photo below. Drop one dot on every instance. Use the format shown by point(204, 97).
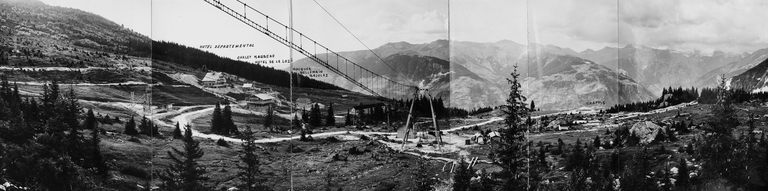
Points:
point(478, 73)
point(660, 68)
point(754, 79)
point(572, 82)
point(732, 69)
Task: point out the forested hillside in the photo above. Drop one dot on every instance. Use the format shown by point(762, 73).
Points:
point(195, 58)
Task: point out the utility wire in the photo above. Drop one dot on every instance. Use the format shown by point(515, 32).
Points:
point(353, 35)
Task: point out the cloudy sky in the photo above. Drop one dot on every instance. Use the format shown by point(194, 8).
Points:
point(690, 25)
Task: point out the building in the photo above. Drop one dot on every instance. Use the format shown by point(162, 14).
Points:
point(260, 102)
point(303, 102)
point(214, 80)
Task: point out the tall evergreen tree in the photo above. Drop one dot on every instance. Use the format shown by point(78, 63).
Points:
point(177, 132)
point(315, 117)
point(295, 122)
point(3, 58)
point(217, 124)
point(683, 176)
point(130, 127)
point(185, 173)
point(97, 160)
point(719, 149)
point(330, 120)
point(597, 142)
point(462, 176)
point(148, 128)
point(250, 171)
point(348, 119)
point(229, 125)
point(511, 151)
point(305, 116)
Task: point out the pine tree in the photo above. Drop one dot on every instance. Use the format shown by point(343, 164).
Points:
point(577, 158)
point(533, 106)
point(315, 118)
point(683, 177)
point(462, 176)
point(597, 143)
point(217, 120)
point(719, 149)
point(130, 127)
point(74, 142)
point(3, 58)
point(177, 132)
point(424, 178)
point(250, 171)
point(229, 125)
point(97, 160)
point(348, 119)
point(295, 122)
point(184, 173)
point(330, 120)
point(510, 152)
point(148, 128)
point(542, 158)
point(305, 115)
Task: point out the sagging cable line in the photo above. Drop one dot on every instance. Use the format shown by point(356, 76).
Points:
point(353, 35)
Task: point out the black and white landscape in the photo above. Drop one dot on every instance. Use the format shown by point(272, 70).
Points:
point(383, 95)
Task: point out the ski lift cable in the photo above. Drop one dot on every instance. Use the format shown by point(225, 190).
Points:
point(353, 35)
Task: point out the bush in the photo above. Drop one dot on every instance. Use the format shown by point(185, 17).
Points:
point(135, 171)
point(356, 151)
point(331, 140)
point(134, 139)
point(222, 142)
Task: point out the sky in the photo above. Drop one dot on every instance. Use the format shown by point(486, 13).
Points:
point(734, 26)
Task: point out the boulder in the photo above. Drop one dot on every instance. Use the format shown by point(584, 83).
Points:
point(645, 131)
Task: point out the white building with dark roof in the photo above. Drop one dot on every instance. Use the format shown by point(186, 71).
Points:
point(214, 79)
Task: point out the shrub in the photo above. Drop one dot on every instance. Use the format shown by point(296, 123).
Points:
point(222, 142)
point(135, 171)
point(134, 139)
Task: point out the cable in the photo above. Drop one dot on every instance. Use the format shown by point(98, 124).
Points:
point(353, 35)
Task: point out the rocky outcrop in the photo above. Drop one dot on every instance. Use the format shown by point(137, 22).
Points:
point(645, 131)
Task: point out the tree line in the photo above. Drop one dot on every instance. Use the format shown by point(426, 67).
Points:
point(669, 97)
point(195, 58)
point(709, 95)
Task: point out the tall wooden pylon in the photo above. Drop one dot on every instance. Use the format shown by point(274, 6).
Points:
point(408, 126)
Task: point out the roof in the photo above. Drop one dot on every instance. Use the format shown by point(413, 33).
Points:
point(265, 96)
point(303, 101)
point(212, 76)
point(248, 85)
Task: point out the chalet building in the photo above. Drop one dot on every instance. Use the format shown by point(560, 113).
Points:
point(304, 103)
point(214, 80)
point(260, 102)
point(250, 87)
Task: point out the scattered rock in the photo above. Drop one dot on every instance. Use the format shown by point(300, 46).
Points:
point(293, 148)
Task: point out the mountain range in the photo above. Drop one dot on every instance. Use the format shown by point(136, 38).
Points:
point(555, 78)
point(466, 74)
